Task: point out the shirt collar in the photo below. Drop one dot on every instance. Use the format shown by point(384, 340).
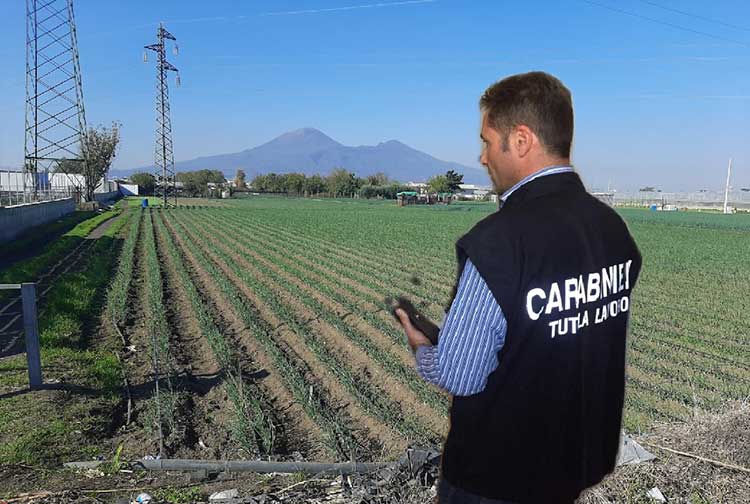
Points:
point(549, 170)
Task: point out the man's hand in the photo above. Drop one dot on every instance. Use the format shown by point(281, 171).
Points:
point(415, 336)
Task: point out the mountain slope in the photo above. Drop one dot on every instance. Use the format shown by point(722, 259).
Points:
point(310, 151)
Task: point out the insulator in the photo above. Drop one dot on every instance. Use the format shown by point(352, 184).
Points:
point(177, 80)
point(145, 57)
point(176, 50)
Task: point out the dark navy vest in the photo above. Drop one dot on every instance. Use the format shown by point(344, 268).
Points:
point(562, 265)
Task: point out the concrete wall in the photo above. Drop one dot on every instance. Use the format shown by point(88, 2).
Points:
point(106, 197)
point(17, 219)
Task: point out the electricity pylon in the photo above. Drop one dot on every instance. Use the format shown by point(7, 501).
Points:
point(55, 116)
point(164, 149)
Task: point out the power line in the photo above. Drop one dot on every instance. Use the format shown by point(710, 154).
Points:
point(666, 23)
point(696, 16)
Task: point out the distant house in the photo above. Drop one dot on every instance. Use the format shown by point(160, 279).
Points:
point(472, 191)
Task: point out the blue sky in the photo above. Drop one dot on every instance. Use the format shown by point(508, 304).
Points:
point(661, 97)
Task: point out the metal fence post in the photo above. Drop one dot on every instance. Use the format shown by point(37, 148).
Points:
point(31, 329)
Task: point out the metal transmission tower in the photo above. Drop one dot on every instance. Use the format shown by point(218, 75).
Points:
point(55, 116)
point(164, 151)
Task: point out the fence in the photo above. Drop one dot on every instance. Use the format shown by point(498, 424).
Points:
point(30, 329)
point(17, 188)
point(690, 200)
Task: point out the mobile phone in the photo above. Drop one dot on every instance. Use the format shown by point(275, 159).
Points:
point(418, 319)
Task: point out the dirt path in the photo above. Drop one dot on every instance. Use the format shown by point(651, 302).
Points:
point(302, 434)
point(392, 441)
point(104, 226)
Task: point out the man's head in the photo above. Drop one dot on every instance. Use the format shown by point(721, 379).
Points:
point(527, 124)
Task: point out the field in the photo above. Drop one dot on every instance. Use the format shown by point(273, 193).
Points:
point(257, 328)
point(689, 345)
point(307, 280)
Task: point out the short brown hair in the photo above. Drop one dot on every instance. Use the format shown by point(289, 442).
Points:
point(537, 100)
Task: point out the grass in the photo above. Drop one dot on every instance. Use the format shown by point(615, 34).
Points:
point(31, 268)
point(65, 419)
point(33, 239)
point(136, 201)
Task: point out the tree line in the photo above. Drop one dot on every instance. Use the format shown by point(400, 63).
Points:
point(343, 183)
point(339, 183)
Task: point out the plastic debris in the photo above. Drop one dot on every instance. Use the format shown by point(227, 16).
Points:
point(631, 452)
point(656, 495)
point(224, 495)
point(143, 498)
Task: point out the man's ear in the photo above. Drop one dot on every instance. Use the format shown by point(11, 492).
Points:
point(523, 140)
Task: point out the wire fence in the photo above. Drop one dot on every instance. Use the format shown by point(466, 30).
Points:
point(17, 188)
point(689, 200)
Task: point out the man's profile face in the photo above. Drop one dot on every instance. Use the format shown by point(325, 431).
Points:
point(496, 157)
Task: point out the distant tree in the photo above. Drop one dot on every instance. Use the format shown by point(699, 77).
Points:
point(270, 182)
point(295, 183)
point(454, 180)
point(378, 179)
point(98, 150)
point(239, 179)
point(195, 183)
point(258, 183)
point(145, 181)
point(647, 189)
point(342, 182)
point(439, 184)
point(315, 185)
point(386, 191)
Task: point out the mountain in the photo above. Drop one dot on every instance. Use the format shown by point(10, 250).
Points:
point(310, 151)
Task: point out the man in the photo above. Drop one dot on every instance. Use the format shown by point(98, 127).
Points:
point(533, 345)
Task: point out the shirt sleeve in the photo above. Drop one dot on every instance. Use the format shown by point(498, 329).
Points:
point(473, 333)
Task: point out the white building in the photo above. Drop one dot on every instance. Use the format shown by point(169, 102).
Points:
point(472, 191)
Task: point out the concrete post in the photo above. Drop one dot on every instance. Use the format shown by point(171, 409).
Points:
point(31, 330)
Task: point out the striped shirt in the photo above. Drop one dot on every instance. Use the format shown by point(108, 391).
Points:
point(474, 329)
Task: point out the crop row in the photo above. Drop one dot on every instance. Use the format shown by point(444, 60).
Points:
point(383, 276)
point(165, 401)
point(369, 395)
point(662, 384)
point(254, 427)
point(117, 297)
point(313, 275)
point(336, 426)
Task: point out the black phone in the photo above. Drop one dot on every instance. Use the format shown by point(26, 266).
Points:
point(418, 319)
